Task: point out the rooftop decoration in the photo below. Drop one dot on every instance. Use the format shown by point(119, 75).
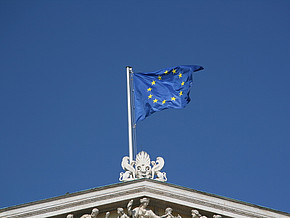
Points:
point(143, 167)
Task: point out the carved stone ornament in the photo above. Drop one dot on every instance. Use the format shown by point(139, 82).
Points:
point(141, 168)
point(142, 212)
point(196, 214)
point(94, 214)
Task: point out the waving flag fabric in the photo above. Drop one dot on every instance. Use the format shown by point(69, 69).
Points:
point(162, 89)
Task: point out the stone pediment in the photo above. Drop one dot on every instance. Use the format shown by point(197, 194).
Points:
point(162, 195)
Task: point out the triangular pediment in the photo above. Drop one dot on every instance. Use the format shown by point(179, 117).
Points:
point(162, 195)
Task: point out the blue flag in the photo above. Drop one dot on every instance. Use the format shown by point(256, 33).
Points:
point(162, 89)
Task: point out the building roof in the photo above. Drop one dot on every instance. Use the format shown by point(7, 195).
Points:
point(162, 194)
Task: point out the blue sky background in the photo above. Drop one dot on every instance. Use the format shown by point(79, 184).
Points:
point(63, 109)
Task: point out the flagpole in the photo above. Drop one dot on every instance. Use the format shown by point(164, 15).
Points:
point(129, 71)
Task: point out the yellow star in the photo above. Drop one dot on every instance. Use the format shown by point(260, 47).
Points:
point(153, 82)
point(163, 102)
point(166, 72)
point(150, 96)
point(174, 71)
point(159, 77)
point(149, 89)
point(155, 100)
point(180, 75)
point(173, 99)
point(180, 93)
point(182, 83)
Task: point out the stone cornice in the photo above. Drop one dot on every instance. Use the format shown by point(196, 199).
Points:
point(135, 189)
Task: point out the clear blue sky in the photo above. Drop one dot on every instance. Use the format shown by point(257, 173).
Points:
point(63, 109)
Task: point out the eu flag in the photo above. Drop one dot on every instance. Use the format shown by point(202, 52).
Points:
point(162, 89)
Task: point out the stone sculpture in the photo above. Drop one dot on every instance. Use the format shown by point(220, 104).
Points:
point(157, 166)
point(141, 168)
point(196, 214)
point(141, 211)
point(94, 214)
point(121, 213)
point(168, 214)
point(129, 168)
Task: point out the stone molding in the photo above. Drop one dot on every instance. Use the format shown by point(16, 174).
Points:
point(159, 191)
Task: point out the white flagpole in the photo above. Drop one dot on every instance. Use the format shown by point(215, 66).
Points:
point(129, 71)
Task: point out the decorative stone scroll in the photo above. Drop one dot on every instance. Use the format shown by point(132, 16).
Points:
point(142, 212)
point(141, 168)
